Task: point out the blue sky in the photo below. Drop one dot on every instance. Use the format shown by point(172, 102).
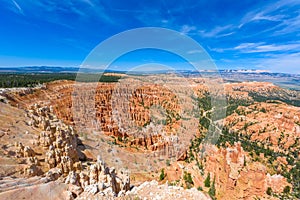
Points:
point(248, 34)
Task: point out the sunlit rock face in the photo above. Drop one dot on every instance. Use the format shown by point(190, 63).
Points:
point(55, 147)
point(236, 178)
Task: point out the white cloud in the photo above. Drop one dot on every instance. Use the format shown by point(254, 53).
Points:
point(185, 29)
point(289, 26)
point(286, 22)
point(247, 46)
point(262, 47)
point(86, 10)
point(218, 31)
point(258, 16)
point(16, 5)
point(194, 51)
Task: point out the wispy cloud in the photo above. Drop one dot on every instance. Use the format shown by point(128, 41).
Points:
point(247, 46)
point(289, 26)
point(262, 47)
point(186, 29)
point(54, 11)
point(258, 16)
point(218, 31)
point(194, 51)
point(17, 6)
point(280, 12)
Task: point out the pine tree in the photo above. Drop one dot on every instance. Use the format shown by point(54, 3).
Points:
point(207, 181)
point(162, 175)
point(212, 190)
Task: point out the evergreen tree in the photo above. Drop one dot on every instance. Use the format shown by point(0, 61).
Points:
point(212, 190)
point(207, 181)
point(162, 175)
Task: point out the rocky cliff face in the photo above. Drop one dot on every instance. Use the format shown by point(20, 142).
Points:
point(60, 159)
point(124, 112)
point(237, 178)
point(124, 115)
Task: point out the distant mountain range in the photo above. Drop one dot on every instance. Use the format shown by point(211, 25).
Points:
point(58, 69)
point(291, 81)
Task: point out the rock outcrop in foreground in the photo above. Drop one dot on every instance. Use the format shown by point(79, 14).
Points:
point(61, 160)
point(98, 180)
point(152, 190)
